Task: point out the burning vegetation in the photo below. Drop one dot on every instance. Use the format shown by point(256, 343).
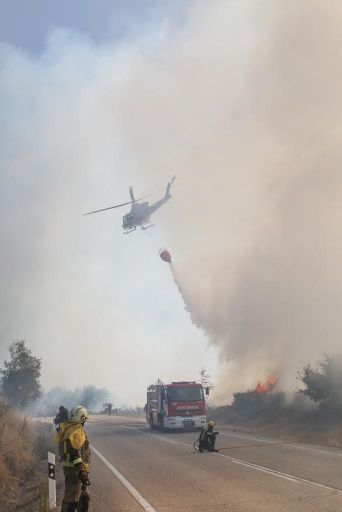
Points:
point(312, 413)
point(266, 387)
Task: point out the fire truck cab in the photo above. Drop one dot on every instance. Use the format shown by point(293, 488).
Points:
point(179, 405)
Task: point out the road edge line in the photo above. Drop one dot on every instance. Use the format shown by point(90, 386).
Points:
point(132, 490)
point(280, 474)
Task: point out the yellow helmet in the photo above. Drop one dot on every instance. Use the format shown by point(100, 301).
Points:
point(78, 414)
point(211, 423)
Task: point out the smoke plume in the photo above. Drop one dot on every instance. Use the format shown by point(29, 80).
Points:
point(242, 101)
point(254, 128)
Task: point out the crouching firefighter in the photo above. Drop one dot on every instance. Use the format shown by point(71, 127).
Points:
point(207, 438)
point(74, 451)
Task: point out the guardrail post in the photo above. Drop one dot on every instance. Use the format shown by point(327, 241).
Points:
point(52, 481)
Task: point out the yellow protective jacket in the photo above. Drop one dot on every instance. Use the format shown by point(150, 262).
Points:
point(73, 445)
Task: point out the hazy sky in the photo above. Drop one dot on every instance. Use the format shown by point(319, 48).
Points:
point(241, 100)
point(97, 306)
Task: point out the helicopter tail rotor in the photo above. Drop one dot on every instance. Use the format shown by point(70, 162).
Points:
point(131, 194)
point(167, 193)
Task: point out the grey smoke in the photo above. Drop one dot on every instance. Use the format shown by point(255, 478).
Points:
point(89, 396)
point(257, 246)
point(243, 103)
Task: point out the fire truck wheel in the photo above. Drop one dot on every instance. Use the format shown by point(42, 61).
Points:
point(152, 426)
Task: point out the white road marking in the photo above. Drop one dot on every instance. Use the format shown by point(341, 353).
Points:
point(291, 445)
point(280, 474)
point(246, 436)
point(269, 441)
point(171, 441)
point(132, 490)
point(250, 465)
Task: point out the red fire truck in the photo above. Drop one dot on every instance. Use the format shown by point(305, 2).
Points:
point(179, 405)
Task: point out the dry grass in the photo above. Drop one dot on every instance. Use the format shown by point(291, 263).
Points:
point(22, 448)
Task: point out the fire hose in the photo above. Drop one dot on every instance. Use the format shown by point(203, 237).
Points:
point(196, 443)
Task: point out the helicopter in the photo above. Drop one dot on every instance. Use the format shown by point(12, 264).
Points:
point(140, 213)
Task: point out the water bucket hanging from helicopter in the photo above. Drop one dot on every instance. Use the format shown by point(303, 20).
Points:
point(165, 255)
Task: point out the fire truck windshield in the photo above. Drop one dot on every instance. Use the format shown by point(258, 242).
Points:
point(186, 394)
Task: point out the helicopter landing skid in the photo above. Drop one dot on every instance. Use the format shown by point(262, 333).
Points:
point(146, 227)
point(129, 230)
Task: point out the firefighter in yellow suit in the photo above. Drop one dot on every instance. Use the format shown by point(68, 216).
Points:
point(75, 455)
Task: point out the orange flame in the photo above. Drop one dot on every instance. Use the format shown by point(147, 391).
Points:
point(267, 386)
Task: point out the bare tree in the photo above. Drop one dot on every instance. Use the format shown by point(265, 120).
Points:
point(205, 379)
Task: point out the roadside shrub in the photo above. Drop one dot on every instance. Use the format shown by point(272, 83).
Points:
point(253, 405)
point(17, 457)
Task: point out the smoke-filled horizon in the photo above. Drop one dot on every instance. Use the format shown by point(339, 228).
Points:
point(255, 129)
point(242, 103)
point(48, 403)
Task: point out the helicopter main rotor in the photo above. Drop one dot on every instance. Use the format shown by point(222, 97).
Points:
point(119, 205)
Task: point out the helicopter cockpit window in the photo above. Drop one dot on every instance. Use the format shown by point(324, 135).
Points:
point(128, 218)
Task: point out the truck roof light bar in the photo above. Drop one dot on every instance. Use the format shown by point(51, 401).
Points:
point(184, 382)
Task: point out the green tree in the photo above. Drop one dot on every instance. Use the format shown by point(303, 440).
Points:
point(324, 384)
point(20, 375)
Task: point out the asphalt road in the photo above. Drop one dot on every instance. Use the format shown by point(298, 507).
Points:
point(134, 470)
